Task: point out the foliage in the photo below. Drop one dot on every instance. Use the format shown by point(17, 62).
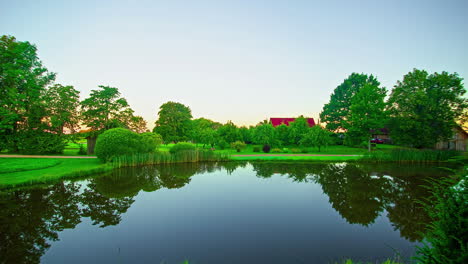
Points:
point(204, 131)
point(246, 134)
point(256, 149)
point(296, 150)
point(63, 108)
point(265, 134)
point(276, 150)
point(336, 112)
point(82, 150)
point(424, 108)
point(316, 137)
point(153, 140)
point(445, 240)
point(39, 142)
point(366, 113)
point(229, 133)
point(182, 146)
point(105, 109)
point(222, 144)
point(119, 141)
point(298, 129)
point(266, 148)
point(174, 122)
point(283, 135)
point(238, 145)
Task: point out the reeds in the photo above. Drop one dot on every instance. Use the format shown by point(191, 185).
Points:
point(141, 159)
point(410, 156)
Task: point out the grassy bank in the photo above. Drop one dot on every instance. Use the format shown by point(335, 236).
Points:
point(25, 171)
point(410, 156)
point(273, 157)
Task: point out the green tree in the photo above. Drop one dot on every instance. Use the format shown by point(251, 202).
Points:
point(204, 131)
point(367, 113)
point(103, 109)
point(424, 108)
point(298, 129)
point(336, 112)
point(316, 137)
point(265, 134)
point(174, 123)
point(229, 133)
point(63, 108)
point(23, 80)
point(283, 135)
point(246, 134)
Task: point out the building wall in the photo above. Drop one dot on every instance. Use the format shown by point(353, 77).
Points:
point(457, 142)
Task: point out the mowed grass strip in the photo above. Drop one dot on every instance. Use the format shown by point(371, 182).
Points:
point(63, 168)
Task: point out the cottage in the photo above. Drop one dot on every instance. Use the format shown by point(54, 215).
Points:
point(457, 142)
point(276, 121)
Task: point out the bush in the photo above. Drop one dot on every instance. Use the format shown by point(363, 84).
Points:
point(222, 144)
point(238, 145)
point(154, 140)
point(304, 150)
point(445, 240)
point(256, 149)
point(37, 142)
point(266, 148)
point(296, 150)
point(119, 141)
point(182, 146)
point(276, 150)
point(286, 150)
point(83, 150)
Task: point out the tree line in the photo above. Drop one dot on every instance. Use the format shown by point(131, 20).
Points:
point(38, 115)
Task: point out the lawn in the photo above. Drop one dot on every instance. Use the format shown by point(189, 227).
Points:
point(21, 171)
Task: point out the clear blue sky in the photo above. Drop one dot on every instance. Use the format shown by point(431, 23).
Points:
point(238, 60)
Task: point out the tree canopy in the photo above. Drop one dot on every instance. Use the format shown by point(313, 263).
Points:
point(174, 122)
point(336, 112)
point(424, 107)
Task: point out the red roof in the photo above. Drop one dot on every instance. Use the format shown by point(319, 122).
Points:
point(276, 121)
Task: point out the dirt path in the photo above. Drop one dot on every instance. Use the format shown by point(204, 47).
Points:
point(47, 157)
point(295, 155)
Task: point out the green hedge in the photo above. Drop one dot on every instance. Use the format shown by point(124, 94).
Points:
point(119, 141)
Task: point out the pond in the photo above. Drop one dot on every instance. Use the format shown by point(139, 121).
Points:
point(260, 212)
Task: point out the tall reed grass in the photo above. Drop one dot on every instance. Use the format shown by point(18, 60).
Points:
point(141, 159)
point(410, 156)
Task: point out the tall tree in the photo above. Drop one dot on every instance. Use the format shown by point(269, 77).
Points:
point(336, 112)
point(265, 134)
point(174, 122)
point(424, 107)
point(283, 135)
point(103, 108)
point(23, 80)
point(367, 113)
point(229, 132)
point(63, 108)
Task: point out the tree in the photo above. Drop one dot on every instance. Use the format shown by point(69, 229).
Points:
point(265, 134)
point(366, 113)
point(204, 131)
point(229, 133)
point(298, 129)
point(283, 134)
point(63, 108)
point(103, 108)
point(316, 137)
point(336, 112)
point(23, 80)
point(424, 108)
point(174, 122)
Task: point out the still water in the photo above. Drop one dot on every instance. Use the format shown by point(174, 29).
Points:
point(220, 213)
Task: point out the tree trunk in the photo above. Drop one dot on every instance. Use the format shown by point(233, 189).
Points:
point(91, 144)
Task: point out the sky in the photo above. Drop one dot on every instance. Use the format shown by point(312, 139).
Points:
point(243, 61)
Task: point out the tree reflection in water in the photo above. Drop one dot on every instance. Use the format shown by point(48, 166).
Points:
point(29, 218)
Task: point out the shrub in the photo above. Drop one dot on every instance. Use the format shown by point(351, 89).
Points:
point(256, 149)
point(238, 145)
point(119, 141)
point(37, 142)
point(83, 150)
point(152, 139)
point(304, 150)
point(182, 146)
point(286, 150)
point(222, 144)
point(445, 240)
point(276, 150)
point(266, 148)
point(295, 150)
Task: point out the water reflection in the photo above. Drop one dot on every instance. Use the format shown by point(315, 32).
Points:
point(31, 218)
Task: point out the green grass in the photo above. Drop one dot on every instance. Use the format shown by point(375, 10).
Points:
point(36, 170)
point(401, 155)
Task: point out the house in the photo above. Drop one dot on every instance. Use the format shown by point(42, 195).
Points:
point(276, 121)
point(457, 142)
